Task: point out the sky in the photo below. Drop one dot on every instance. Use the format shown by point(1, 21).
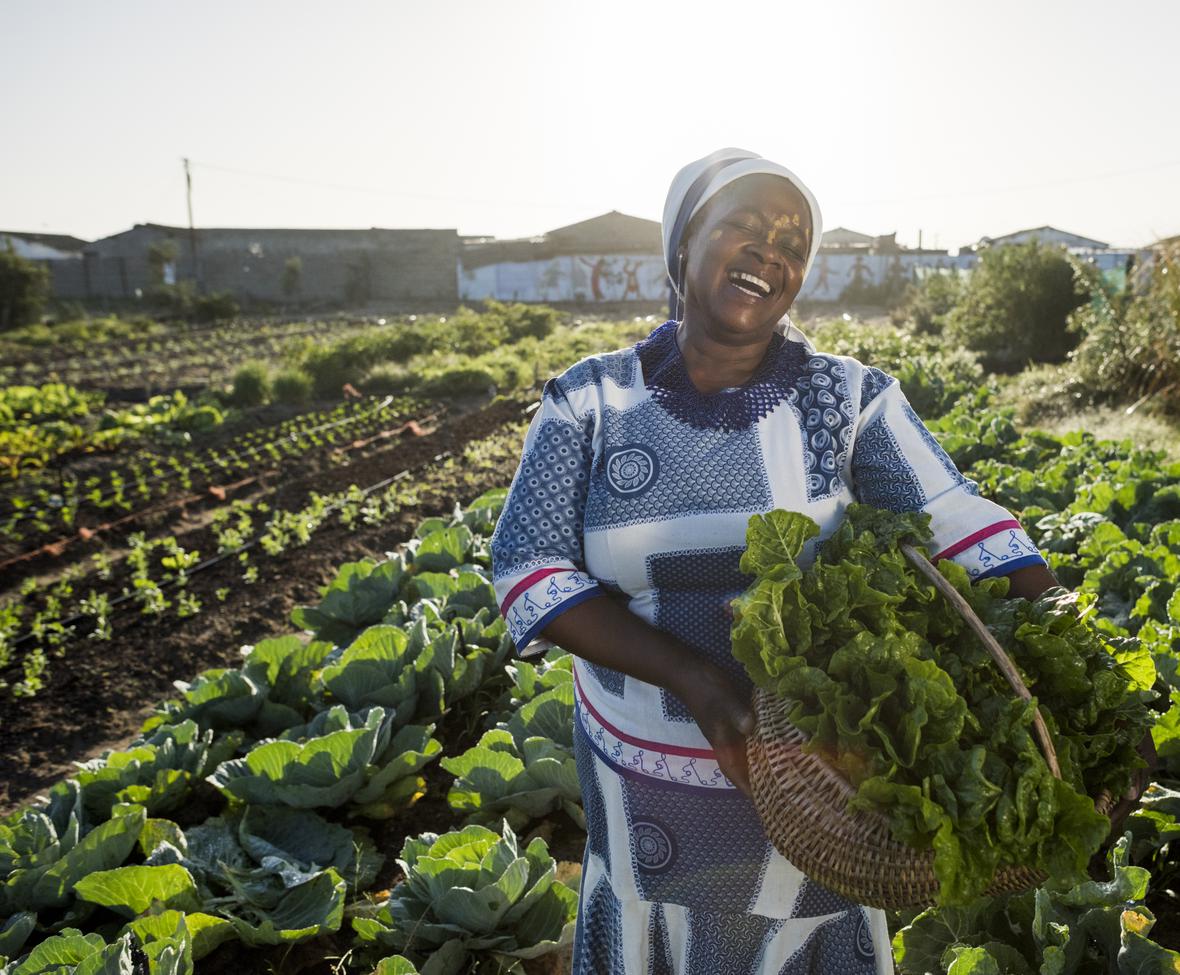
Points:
point(948, 118)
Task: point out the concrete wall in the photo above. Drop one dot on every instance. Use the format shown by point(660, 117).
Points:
point(347, 266)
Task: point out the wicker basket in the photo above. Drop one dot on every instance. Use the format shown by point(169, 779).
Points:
point(801, 800)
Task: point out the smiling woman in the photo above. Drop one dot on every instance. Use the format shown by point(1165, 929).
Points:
point(621, 540)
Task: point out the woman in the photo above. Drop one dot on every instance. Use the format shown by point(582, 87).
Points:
point(620, 541)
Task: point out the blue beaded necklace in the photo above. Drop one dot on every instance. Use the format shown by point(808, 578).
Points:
point(728, 410)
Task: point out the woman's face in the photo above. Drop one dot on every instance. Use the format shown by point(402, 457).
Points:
point(745, 255)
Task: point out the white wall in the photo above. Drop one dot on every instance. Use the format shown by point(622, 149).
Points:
point(593, 277)
point(642, 278)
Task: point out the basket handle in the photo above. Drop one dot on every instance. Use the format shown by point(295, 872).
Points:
point(1003, 661)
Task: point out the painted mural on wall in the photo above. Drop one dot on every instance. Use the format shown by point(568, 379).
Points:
point(643, 278)
point(583, 278)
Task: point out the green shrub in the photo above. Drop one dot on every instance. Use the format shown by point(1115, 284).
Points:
point(927, 303)
point(292, 386)
point(331, 366)
point(388, 379)
point(251, 385)
point(460, 381)
point(1130, 343)
point(1015, 307)
point(215, 307)
point(24, 288)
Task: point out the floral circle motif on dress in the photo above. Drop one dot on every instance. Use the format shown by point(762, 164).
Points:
point(630, 470)
point(654, 849)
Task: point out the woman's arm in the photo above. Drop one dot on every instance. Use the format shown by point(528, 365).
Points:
point(604, 632)
point(1030, 581)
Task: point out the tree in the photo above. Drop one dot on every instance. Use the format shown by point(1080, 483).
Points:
point(1015, 307)
point(24, 288)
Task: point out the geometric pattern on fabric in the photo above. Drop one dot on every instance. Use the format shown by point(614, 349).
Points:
point(599, 945)
point(872, 384)
point(660, 961)
point(547, 517)
point(1002, 553)
point(666, 376)
point(541, 596)
point(844, 946)
point(664, 470)
point(677, 768)
point(612, 681)
point(937, 450)
point(815, 900)
point(825, 412)
point(728, 944)
point(692, 590)
point(619, 367)
point(593, 803)
point(715, 845)
point(883, 477)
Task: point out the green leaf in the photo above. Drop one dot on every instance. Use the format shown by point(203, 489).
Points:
point(15, 932)
point(774, 541)
point(132, 890)
point(304, 911)
point(206, 933)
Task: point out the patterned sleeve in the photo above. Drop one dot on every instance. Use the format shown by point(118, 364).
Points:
point(898, 464)
point(537, 562)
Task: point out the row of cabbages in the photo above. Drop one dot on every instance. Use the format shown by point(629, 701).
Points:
point(298, 753)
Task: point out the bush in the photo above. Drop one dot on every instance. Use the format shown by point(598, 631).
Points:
point(24, 288)
point(251, 385)
point(388, 379)
point(461, 381)
point(1130, 343)
point(215, 307)
point(928, 302)
point(1015, 307)
point(292, 386)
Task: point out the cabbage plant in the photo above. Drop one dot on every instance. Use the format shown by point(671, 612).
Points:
point(472, 900)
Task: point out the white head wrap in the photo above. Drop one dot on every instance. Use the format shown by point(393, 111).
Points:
point(700, 181)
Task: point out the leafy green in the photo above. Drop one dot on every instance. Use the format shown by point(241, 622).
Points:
point(885, 678)
point(359, 596)
point(477, 891)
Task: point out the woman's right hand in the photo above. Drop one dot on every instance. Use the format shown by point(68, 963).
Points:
point(724, 716)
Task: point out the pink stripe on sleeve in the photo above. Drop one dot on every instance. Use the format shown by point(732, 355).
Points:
point(974, 537)
point(527, 582)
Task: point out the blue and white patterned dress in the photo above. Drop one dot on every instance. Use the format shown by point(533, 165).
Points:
point(633, 482)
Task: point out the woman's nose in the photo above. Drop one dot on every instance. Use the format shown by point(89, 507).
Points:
point(764, 252)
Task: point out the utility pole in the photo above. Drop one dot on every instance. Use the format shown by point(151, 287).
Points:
point(192, 233)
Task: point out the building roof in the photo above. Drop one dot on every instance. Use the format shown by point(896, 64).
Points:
point(62, 242)
point(1077, 240)
point(843, 237)
point(608, 233)
point(310, 231)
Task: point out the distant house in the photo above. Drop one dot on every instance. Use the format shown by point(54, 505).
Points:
point(1045, 235)
point(343, 266)
point(841, 240)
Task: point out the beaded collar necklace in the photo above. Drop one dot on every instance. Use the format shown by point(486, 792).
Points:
point(736, 408)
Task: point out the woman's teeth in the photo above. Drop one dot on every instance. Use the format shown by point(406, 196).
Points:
point(750, 284)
